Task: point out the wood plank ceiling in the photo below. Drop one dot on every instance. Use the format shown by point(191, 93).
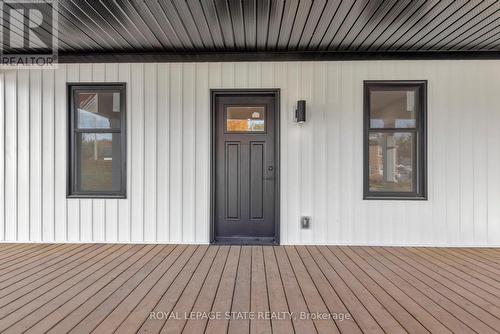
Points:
point(316, 28)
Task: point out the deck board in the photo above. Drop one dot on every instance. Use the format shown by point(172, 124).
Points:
point(95, 285)
point(107, 297)
point(205, 299)
point(15, 274)
point(259, 299)
point(223, 298)
point(139, 315)
point(313, 298)
point(349, 289)
point(241, 293)
point(434, 287)
point(277, 299)
point(119, 313)
point(185, 302)
point(476, 278)
point(408, 299)
point(104, 288)
point(293, 293)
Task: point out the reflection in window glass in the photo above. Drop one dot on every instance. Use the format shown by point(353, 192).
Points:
point(391, 162)
point(393, 108)
point(100, 165)
point(98, 110)
point(245, 119)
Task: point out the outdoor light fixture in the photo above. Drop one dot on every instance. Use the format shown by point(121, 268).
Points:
point(300, 112)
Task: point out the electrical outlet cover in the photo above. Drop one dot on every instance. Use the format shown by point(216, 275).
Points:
point(305, 222)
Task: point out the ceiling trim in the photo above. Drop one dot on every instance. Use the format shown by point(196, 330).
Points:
point(177, 57)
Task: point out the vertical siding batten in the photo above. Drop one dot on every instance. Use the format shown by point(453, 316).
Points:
point(280, 80)
point(493, 225)
point(137, 158)
point(293, 153)
point(241, 75)
point(332, 121)
point(163, 151)
point(454, 148)
point(10, 97)
point(467, 149)
point(254, 75)
point(346, 169)
point(214, 81)
point(150, 152)
point(437, 114)
point(60, 167)
point(23, 155)
point(319, 152)
point(48, 155)
point(202, 152)
point(480, 143)
point(176, 191)
point(307, 195)
point(73, 212)
point(188, 161)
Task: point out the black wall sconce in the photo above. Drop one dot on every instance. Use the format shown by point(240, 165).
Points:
point(300, 112)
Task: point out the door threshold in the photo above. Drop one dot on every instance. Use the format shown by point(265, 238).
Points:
point(245, 241)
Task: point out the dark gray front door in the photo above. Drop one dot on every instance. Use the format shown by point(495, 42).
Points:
point(245, 164)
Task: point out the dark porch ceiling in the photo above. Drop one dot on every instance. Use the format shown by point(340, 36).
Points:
point(182, 30)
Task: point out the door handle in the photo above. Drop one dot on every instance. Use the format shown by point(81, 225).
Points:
point(271, 170)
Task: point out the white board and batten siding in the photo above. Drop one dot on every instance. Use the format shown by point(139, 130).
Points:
point(168, 154)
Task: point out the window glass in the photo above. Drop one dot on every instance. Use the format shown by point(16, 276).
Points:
point(98, 110)
point(395, 140)
point(393, 108)
point(100, 163)
point(245, 119)
point(97, 140)
point(391, 162)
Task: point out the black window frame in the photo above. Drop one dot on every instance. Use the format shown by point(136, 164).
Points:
point(73, 131)
point(419, 181)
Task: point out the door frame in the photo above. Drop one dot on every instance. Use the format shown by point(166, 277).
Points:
point(275, 93)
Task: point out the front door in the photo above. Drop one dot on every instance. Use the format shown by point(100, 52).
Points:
point(245, 166)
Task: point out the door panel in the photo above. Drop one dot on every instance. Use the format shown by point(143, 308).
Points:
point(244, 168)
point(232, 184)
point(257, 160)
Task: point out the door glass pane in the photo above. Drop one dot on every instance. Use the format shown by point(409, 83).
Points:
point(100, 161)
point(393, 108)
point(391, 162)
point(98, 110)
point(245, 119)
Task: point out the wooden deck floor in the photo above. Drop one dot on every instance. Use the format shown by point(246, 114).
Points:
point(106, 288)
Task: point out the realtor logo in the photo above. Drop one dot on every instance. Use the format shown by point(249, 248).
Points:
point(28, 34)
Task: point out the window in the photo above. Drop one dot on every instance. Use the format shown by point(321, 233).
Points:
point(97, 140)
point(395, 140)
point(245, 119)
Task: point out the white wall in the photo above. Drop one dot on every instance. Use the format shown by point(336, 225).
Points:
point(168, 154)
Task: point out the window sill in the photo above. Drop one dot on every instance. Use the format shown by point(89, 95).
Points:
point(95, 196)
point(394, 198)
